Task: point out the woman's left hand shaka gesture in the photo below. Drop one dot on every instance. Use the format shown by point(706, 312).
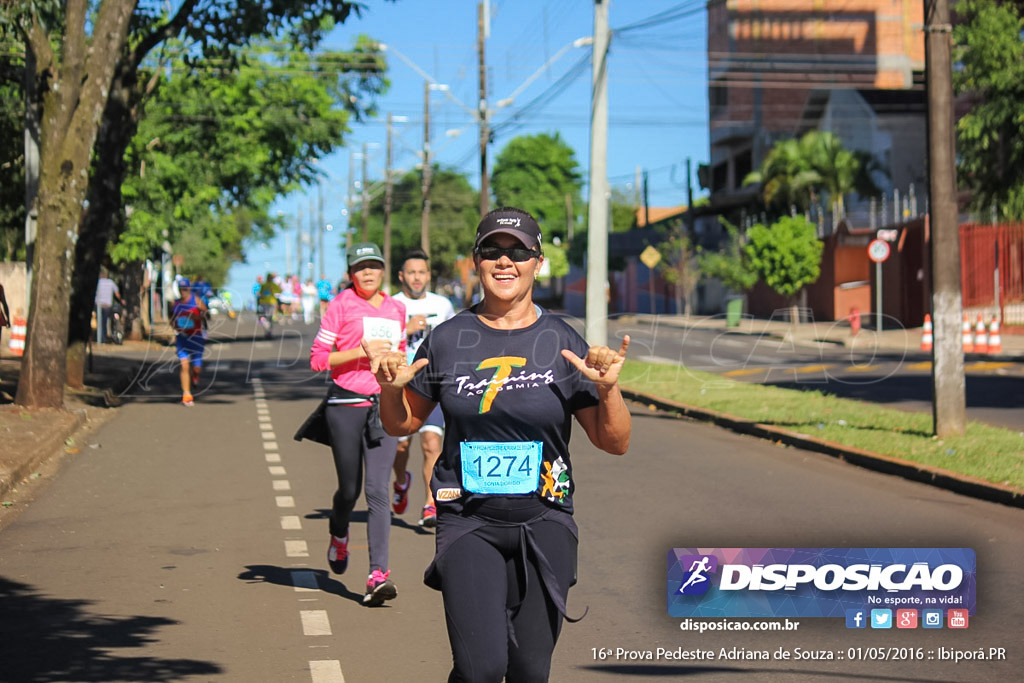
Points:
point(602, 365)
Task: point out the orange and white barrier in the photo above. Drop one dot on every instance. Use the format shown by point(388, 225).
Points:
point(995, 343)
point(926, 335)
point(19, 326)
point(968, 340)
point(980, 336)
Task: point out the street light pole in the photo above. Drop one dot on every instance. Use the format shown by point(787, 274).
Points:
point(366, 196)
point(387, 210)
point(425, 215)
point(485, 133)
point(597, 233)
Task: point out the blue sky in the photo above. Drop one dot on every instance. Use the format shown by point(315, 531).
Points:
point(657, 98)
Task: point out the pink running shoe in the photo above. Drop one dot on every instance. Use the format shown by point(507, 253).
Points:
point(401, 500)
point(379, 588)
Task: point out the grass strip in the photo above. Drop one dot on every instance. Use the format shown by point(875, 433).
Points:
point(993, 454)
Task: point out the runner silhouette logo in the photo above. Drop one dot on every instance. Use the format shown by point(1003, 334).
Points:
point(696, 580)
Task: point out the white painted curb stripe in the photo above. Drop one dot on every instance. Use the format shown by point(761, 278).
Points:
point(277, 471)
point(290, 522)
point(282, 485)
point(285, 501)
point(304, 580)
point(273, 457)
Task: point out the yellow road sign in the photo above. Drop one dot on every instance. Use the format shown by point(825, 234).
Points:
point(650, 257)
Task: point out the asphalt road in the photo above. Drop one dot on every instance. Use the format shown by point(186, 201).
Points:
point(188, 544)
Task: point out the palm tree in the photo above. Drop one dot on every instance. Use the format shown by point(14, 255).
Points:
point(786, 177)
point(836, 166)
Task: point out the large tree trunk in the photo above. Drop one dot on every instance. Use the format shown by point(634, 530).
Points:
point(76, 88)
point(134, 293)
point(105, 219)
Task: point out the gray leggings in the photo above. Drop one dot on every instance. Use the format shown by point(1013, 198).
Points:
point(347, 425)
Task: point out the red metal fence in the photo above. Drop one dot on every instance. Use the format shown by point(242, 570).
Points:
point(992, 269)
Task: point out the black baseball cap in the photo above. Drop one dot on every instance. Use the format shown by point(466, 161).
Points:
point(364, 251)
point(510, 221)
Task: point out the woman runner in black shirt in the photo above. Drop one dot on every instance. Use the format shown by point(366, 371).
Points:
point(509, 378)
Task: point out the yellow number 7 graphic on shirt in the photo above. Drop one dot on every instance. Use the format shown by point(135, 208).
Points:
point(502, 369)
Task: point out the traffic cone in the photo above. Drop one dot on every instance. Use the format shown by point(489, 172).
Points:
point(926, 334)
point(995, 344)
point(968, 340)
point(980, 336)
point(18, 328)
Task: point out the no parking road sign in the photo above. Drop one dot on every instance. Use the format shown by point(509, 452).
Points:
point(878, 250)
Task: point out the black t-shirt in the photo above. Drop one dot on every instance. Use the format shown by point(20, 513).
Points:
point(504, 386)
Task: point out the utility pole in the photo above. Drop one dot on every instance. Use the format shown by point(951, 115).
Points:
point(425, 216)
point(366, 196)
point(320, 227)
point(485, 133)
point(948, 384)
point(647, 204)
point(387, 210)
point(351, 199)
point(597, 237)
point(311, 236)
point(298, 245)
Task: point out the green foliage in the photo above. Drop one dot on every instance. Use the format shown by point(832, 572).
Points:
point(12, 173)
point(557, 257)
point(787, 255)
point(796, 170)
point(732, 265)
point(454, 213)
point(535, 173)
point(623, 208)
point(990, 137)
point(217, 147)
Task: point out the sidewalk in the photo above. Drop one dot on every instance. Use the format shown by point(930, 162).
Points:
point(817, 334)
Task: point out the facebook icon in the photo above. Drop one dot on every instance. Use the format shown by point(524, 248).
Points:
point(856, 618)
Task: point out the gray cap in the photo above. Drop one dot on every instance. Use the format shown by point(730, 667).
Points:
point(364, 251)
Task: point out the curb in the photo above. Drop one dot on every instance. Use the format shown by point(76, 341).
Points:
point(41, 450)
point(925, 474)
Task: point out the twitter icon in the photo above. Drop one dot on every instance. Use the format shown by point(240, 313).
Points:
point(881, 618)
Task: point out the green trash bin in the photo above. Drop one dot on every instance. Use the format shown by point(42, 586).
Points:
point(733, 311)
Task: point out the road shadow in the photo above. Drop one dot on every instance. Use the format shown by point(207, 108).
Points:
point(280, 576)
point(57, 639)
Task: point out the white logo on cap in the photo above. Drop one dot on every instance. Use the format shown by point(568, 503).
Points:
point(364, 250)
point(514, 222)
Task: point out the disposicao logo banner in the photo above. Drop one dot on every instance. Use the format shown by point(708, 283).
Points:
point(817, 582)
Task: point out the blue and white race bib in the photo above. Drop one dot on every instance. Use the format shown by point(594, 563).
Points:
point(501, 467)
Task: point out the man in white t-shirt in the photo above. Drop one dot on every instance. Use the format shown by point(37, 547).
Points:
point(424, 311)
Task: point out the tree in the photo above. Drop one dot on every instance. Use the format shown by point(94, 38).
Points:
point(796, 170)
point(990, 137)
point(731, 264)
point(12, 171)
point(454, 213)
point(73, 73)
point(536, 173)
point(77, 48)
point(787, 255)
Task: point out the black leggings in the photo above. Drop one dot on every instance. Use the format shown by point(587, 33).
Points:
point(347, 425)
point(480, 582)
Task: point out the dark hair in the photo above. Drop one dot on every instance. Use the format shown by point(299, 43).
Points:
point(413, 254)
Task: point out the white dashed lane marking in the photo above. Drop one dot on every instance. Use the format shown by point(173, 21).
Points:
point(315, 622)
point(326, 671)
point(296, 548)
point(304, 581)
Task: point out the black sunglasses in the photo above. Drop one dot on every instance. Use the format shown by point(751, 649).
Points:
point(517, 254)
